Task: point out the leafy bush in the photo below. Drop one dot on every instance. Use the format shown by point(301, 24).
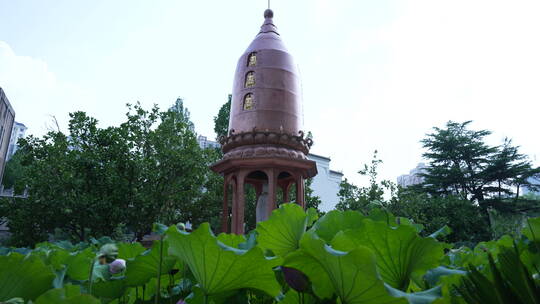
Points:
point(294, 257)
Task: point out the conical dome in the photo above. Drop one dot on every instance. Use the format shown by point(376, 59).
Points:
point(266, 90)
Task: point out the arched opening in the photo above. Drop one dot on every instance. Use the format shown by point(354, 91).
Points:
point(256, 198)
point(248, 103)
point(286, 190)
point(252, 59)
point(250, 79)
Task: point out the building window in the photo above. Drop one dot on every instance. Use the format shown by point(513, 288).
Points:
point(248, 102)
point(250, 79)
point(252, 59)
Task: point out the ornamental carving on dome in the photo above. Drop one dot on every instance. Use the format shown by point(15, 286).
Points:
point(255, 137)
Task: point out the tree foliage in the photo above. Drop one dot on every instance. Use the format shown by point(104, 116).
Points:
point(465, 178)
point(352, 197)
point(92, 180)
point(13, 171)
point(462, 163)
point(221, 121)
point(465, 218)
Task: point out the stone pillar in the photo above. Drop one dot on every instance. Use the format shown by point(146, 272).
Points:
point(300, 198)
point(225, 216)
point(238, 222)
point(234, 211)
point(272, 189)
point(286, 188)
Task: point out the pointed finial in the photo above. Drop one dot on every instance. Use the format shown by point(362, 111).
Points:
point(268, 14)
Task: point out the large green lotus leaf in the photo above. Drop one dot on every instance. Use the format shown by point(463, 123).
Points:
point(150, 287)
point(14, 301)
point(464, 256)
point(145, 266)
point(42, 253)
point(532, 229)
point(442, 232)
point(448, 284)
point(380, 215)
point(283, 230)
point(58, 258)
point(197, 296)
point(422, 297)
point(23, 277)
point(335, 221)
point(351, 275)
point(312, 215)
point(129, 251)
point(70, 294)
point(232, 240)
point(111, 289)
point(219, 268)
point(434, 276)
point(401, 253)
point(293, 297)
point(78, 264)
point(407, 222)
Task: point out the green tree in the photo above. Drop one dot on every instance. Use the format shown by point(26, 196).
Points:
point(93, 180)
point(433, 212)
point(510, 169)
point(352, 197)
point(209, 205)
point(168, 164)
point(461, 163)
point(14, 171)
point(458, 158)
point(221, 121)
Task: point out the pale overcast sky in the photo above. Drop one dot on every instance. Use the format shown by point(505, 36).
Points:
point(377, 74)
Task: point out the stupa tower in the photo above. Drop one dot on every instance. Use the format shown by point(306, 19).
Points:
point(266, 146)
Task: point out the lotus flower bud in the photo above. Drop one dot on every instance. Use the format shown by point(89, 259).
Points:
point(181, 302)
point(117, 266)
point(109, 252)
point(181, 226)
point(296, 279)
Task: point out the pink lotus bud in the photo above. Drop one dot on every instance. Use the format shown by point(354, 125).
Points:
point(117, 266)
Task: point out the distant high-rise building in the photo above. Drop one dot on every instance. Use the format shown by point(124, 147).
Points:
point(205, 143)
point(7, 117)
point(19, 130)
point(413, 178)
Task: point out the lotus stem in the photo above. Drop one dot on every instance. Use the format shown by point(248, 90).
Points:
point(158, 290)
point(90, 277)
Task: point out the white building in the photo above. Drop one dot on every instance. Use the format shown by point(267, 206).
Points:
point(19, 130)
point(205, 143)
point(413, 178)
point(326, 183)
